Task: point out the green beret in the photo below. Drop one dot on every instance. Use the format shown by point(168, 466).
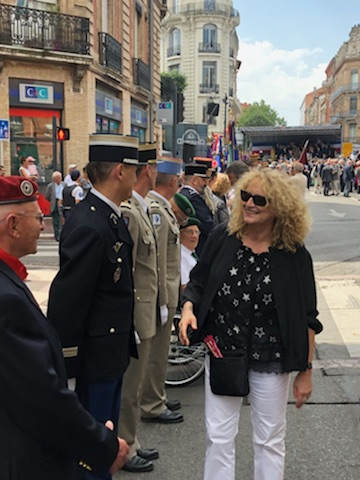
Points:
point(191, 221)
point(184, 204)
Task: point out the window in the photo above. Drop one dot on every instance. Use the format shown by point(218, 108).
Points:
point(174, 42)
point(209, 35)
point(210, 120)
point(353, 105)
point(209, 5)
point(354, 78)
point(176, 6)
point(209, 74)
point(352, 132)
point(175, 68)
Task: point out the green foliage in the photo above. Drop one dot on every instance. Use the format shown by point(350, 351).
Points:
point(167, 79)
point(260, 115)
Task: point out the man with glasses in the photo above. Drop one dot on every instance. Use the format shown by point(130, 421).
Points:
point(45, 432)
point(195, 181)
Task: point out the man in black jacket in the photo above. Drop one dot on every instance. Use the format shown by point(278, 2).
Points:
point(45, 431)
point(92, 297)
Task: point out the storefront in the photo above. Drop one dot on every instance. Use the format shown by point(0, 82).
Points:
point(36, 109)
point(139, 122)
point(108, 112)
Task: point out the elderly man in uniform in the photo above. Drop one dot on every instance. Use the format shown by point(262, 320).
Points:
point(195, 180)
point(154, 404)
point(146, 309)
point(45, 431)
point(92, 297)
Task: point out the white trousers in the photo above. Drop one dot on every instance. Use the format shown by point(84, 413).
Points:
point(268, 401)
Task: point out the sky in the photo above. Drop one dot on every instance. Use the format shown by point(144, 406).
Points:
point(285, 47)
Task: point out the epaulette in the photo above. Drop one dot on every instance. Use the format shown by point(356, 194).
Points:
point(125, 205)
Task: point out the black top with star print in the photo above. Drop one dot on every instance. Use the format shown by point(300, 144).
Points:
point(245, 302)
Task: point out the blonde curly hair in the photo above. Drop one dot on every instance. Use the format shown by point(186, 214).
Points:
point(222, 184)
point(292, 222)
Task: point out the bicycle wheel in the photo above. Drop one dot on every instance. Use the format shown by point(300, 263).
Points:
point(185, 364)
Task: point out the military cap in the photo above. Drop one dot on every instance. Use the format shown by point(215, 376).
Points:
point(184, 204)
point(147, 153)
point(113, 148)
point(190, 222)
point(169, 165)
point(196, 170)
point(15, 189)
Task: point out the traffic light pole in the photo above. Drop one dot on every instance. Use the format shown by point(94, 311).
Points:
point(175, 108)
point(54, 129)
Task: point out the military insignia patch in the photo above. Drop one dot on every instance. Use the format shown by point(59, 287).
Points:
point(156, 219)
point(114, 218)
point(116, 247)
point(117, 275)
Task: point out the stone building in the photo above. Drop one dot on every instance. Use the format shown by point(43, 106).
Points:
point(88, 65)
point(199, 39)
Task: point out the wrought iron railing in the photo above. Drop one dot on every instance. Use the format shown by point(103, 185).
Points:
point(110, 52)
point(175, 50)
point(201, 7)
point(209, 47)
point(209, 88)
point(32, 28)
point(141, 73)
point(346, 88)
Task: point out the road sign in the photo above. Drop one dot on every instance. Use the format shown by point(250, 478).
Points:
point(4, 129)
point(165, 113)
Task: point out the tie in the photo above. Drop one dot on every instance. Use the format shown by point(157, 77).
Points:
point(195, 255)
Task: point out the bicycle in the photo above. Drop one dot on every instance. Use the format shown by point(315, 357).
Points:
point(185, 363)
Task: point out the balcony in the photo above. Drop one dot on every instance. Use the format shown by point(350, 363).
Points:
point(27, 27)
point(347, 88)
point(110, 52)
point(209, 47)
point(348, 116)
point(141, 73)
point(174, 51)
point(209, 88)
point(204, 7)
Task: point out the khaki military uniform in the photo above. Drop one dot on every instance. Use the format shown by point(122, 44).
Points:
point(153, 399)
point(145, 275)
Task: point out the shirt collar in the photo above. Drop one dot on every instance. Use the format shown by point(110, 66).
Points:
point(102, 197)
point(14, 263)
point(157, 194)
point(141, 200)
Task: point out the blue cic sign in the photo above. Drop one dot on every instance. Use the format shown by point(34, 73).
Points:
point(32, 93)
point(4, 129)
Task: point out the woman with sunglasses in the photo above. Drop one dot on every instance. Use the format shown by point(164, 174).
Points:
point(253, 290)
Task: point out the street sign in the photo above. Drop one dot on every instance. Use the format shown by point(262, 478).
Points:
point(165, 113)
point(346, 149)
point(4, 129)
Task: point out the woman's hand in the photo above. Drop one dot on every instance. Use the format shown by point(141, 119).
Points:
point(187, 319)
point(302, 387)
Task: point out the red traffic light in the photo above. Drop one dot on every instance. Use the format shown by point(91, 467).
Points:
point(63, 134)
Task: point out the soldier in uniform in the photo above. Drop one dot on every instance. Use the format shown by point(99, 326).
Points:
point(92, 297)
point(154, 405)
point(195, 181)
point(146, 308)
point(45, 431)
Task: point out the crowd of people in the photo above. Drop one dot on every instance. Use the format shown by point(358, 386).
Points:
point(140, 226)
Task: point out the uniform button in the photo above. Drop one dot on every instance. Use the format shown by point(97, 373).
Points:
point(138, 298)
point(112, 330)
point(119, 260)
point(92, 208)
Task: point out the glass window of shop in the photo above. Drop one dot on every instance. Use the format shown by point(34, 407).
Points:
point(139, 122)
point(31, 133)
point(106, 125)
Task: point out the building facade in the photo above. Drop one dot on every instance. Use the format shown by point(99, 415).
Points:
point(88, 65)
point(338, 100)
point(199, 39)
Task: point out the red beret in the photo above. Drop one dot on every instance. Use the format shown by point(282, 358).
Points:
point(14, 189)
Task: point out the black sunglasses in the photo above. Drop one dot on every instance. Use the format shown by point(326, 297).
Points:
point(259, 200)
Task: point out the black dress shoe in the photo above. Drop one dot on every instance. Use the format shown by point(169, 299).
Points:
point(173, 405)
point(137, 464)
point(166, 417)
point(148, 453)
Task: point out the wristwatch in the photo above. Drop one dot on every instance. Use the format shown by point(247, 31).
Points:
point(309, 366)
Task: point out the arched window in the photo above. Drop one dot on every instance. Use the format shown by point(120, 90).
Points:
point(174, 42)
point(210, 36)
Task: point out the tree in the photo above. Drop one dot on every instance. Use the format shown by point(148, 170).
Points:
point(172, 86)
point(260, 115)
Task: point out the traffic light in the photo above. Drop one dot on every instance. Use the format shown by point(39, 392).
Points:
point(63, 134)
point(180, 107)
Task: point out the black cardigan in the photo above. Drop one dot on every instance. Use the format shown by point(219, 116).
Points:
point(294, 292)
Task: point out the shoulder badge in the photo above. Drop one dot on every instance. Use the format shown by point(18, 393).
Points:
point(156, 219)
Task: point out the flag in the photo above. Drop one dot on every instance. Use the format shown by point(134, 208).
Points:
point(303, 156)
